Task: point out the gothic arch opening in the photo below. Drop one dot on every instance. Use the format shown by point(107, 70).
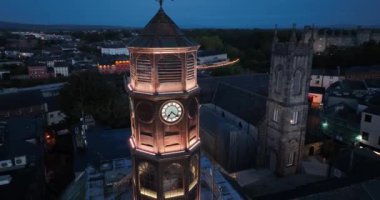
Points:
point(194, 168)
point(173, 185)
point(147, 179)
point(279, 73)
point(297, 82)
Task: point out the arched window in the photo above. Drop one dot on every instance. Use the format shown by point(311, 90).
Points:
point(297, 82)
point(169, 69)
point(173, 181)
point(147, 179)
point(279, 73)
point(194, 175)
point(190, 67)
point(144, 69)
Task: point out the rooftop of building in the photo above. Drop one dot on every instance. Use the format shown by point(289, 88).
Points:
point(161, 32)
point(103, 144)
point(326, 72)
point(361, 69)
point(22, 99)
point(204, 53)
point(21, 137)
point(373, 83)
point(317, 90)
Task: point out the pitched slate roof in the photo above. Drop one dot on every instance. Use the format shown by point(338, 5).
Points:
point(160, 32)
point(20, 100)
point(244, 95)
point(247, 105)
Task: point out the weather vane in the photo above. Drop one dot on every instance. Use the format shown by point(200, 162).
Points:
point(161, 2)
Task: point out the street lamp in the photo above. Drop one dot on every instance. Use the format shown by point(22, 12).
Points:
point(359, 138)
point(325, 124)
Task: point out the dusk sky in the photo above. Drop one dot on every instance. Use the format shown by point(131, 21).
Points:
point(194, 13)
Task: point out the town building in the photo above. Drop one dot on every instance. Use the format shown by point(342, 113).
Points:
point(54, 114)
point(341, 122)
point(370, 127)
point(18, 104)
point(5, 75)
point(114, 49)
point(114, 65)
point(250, 120)
point(38, 72)
point(361, 73)
point(210, 57)
point(339, 37)
point(316, 96)
point(61, 69)
point(350, 92)
point(373, 85)
point(287, 105)
point(163, 88)
point(324, 78)
point(21, 153)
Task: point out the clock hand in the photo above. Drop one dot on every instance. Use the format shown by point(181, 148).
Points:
point(171, 112)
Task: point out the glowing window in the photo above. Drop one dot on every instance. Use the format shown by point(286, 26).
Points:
point(294, 119)
point(194, 175)
point(147, 180)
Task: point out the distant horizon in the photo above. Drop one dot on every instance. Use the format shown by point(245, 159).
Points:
point(227, 14)
point(337, 26)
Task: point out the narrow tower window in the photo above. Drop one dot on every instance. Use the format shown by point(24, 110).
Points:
point(275, 115)
point(291, 159)
point(278, 78)
point(294, 119)
point(297, 82)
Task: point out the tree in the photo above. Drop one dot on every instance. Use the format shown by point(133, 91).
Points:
point(90, 93)
point(211, 43)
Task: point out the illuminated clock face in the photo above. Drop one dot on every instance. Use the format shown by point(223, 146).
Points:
point(171, 111)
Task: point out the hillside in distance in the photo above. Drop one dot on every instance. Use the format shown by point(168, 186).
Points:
point(22, 26)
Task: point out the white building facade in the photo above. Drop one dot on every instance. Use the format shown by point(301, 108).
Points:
point(370, 128)
point(321, 80)
point(114, 51)
point(61, 71)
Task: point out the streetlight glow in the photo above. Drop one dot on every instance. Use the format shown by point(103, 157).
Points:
point(325, 124)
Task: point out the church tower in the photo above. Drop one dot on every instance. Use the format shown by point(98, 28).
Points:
point(287, 106)
point(163, 90)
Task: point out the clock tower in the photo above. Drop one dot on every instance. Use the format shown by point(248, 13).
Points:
point(163, 90)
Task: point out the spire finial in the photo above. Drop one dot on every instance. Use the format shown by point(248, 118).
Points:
point(275, 38)
point(294, 34)
point(161, 2)
point(311, 41)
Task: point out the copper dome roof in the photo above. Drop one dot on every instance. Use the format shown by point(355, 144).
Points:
point(161, 32)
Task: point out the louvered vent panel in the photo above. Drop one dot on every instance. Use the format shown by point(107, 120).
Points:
point(169, 69)
point(190, 67)
point(144, 69)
